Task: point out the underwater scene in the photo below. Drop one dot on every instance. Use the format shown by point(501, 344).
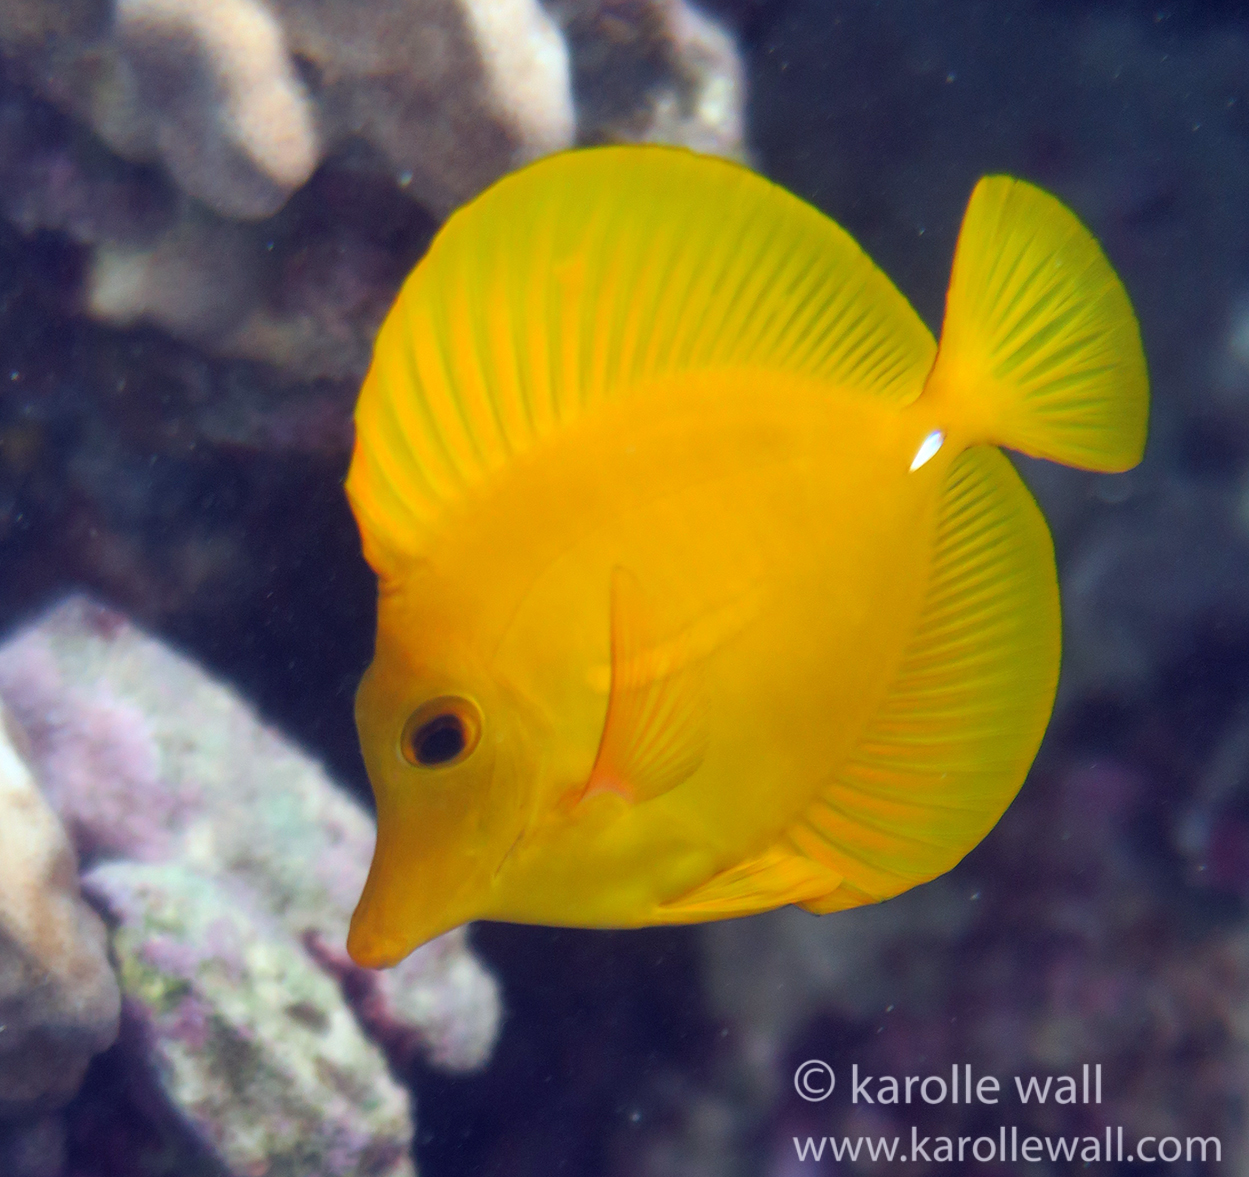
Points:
point(624, 588)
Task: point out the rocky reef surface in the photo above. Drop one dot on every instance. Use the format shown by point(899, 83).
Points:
point(180, 130)
point(59, 997)
point(226, 864)
point(206, 207)
point(205, 211)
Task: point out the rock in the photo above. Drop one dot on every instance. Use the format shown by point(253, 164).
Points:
point(149, 759)
point(230, 865)
point(162, 345)
point(211, 87)
point(704, 107)
point(248, 1037)
point(433, 98)
point(58, 995)
point(196, 280)
point(451, 93)
point(655, 71)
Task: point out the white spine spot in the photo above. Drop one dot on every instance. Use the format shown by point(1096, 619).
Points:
point(927, 448)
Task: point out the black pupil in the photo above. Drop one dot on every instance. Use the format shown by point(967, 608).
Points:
point(439, 740)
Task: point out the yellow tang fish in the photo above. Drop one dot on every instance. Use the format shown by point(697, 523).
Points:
point(703, 587)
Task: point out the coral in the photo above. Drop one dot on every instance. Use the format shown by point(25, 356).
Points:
point(58, 996)
point(212, 88)
point(434, 98)
point(704, 108)
point(147, 758)
point(655, 70)
point(195, 280)
point(450, 91)
point(180, 377)
point(1104, 920)
point(447, 95)
point(249, 1038)
point(230, 864)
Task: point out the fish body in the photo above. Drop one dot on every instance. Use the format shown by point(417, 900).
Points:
point(701, 590)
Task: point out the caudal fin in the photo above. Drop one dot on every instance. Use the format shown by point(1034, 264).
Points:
point(1040, 350)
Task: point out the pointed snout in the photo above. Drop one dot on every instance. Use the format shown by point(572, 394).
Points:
point(372, 945)
point(379, 937)
point(406, 903)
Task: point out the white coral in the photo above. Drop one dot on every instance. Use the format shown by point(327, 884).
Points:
point(526, 62)
point(234, 123)
point(59, 1001)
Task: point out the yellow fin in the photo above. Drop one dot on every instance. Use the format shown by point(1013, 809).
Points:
point(953, 740)
point(590, 274)
point(656, 732)
point(772, 879)
point(1039, 346)
point(700, 638)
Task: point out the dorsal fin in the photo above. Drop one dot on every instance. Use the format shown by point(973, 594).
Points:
point(587, 275)
point(656, 730)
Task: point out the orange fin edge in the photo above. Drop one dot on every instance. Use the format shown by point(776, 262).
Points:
point(655, 734)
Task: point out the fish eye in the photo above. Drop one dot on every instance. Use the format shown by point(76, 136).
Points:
point(441, 732)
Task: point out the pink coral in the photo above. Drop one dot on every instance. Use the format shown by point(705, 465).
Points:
point(147, 759)
point(95, 755)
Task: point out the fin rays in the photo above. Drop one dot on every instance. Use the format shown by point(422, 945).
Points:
point(655, 734)
point(934, 769)
point(954, 737)
point(1040, 347)
point(561, 287)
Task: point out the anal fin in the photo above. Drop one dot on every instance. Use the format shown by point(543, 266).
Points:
point(771, 879)
point(656, 731)
point(955, 735)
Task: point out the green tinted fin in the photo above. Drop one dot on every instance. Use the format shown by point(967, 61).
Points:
point(955, 735)
point(588, 275)
point(1040, 350)
point(656, 731)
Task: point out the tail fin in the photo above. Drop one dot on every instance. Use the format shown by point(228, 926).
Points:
point(1040, 349)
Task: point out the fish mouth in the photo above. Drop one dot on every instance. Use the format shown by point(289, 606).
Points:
point(371, 951)
point(392, 921)
point(377, 939)
point(373, 940)
point(404, 905)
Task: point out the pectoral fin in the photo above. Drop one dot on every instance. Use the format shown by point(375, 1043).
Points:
point(656, 731)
